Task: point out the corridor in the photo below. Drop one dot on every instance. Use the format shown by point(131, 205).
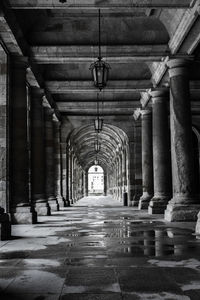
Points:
point(100, 250)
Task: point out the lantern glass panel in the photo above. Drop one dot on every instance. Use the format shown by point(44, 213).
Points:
point(100, 71)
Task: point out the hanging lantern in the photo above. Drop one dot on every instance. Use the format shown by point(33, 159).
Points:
point(98, 124)
point(96, 162)
point(97, 146)
point(100, 69)
point(100, 72)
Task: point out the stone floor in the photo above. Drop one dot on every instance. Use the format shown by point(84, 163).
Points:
point(101, 251)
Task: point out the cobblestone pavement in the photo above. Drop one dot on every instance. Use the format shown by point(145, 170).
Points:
point(101, 251)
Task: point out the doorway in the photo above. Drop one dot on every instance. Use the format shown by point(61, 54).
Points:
point(95, 180)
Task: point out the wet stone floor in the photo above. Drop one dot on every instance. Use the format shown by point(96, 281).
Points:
point(100, 250)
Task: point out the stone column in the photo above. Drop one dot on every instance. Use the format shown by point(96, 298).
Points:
point(21, 212)
point(86, 183)
point(72, 178)
point(184, 206)
point(136, 158)
point(120, 176)
point(147, 159)
point(70, 175)
point(105, 184)
point(65, 173)
point(161, 152)
point(5, 225)
point(131, 176)
point(38, 153)
point(57, 162)
point(50, 163)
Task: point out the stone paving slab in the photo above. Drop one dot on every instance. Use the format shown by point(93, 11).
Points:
point(40, 296)
point(91, 297)
point(101, 253)
point(141, 279)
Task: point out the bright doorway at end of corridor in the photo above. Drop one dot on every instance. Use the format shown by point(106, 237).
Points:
point(95, 180)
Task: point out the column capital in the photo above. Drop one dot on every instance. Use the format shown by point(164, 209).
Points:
point(45, 102)
point(55, 119)
point(145, 97)
point(145, 112)
point(137, 113)
point(159, 94)
point(178, 67)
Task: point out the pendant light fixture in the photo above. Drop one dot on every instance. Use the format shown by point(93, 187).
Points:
point(96, 161)
point(98, 122)
point(100, 69)
point(97, 145)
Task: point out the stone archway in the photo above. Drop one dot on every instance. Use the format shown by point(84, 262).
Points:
point(95, 180)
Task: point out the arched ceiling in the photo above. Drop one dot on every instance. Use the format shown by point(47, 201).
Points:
point(111, 139)
point(60, 40)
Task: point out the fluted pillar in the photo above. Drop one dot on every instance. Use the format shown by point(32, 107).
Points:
point(57, 163)
point(21, 212)
point(147, 159)
point(38, 153)
point(184, 206)
point(50, 163)
point(161, 152)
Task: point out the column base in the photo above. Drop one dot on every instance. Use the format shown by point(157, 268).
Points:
point(157, 205)
point(135, 203)
point(181, 212)
point(144, 201)
point(23, 215)
point(53, 203)
point(42, 209)
point(61, 201)
point(197, 229)
point(5, 227)
point(136, 200)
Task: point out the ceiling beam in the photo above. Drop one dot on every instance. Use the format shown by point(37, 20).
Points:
point(127, 53)
point(60, 87)
point(91, 4)
point(92, 107)
point(93, 114)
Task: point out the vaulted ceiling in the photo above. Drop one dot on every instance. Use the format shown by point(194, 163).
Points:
point(61, 40)
point(138, 37)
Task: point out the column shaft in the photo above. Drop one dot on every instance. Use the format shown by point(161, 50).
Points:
point(21, 211)
point(38, 153)
point(147, 160)
point(5, 225)
point(70, 175)
point(50, 163)
point(161, 152)
point(86, 183)
point(105, 184)
point(57, 163)
point(137, 161)
point(183, 206)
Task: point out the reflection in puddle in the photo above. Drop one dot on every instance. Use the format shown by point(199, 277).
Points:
point(159, 242)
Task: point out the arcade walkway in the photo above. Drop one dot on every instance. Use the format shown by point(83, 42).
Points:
point(101, 253)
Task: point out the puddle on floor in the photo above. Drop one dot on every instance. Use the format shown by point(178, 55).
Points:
point(158, 242)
